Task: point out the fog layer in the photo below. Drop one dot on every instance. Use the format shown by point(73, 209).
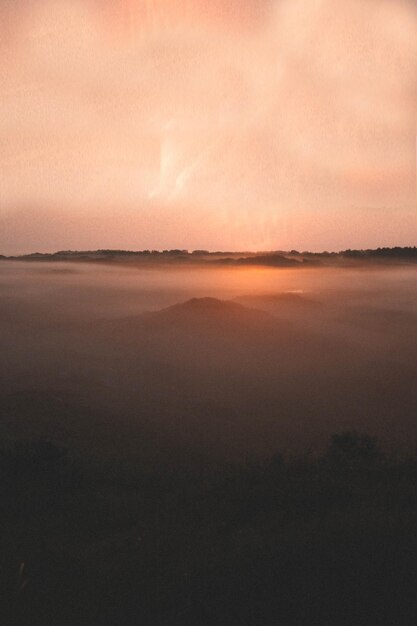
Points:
point(114, 358)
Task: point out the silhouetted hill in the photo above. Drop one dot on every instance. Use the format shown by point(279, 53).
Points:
point(203, 333)
point(267, 260)
point(207, 309)
point(407, 253)
point(199, 315)
point(273, 258)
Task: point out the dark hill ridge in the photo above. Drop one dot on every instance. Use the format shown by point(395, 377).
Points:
point(210, 311)
point(206, 306)
point(272, 259)
point(267, 260)
point(195, 317)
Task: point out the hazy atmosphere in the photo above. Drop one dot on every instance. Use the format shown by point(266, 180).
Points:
point(246, 361)
point(184, 438)
point(222, 124)
point(208, 313)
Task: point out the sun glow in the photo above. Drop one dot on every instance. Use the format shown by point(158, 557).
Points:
point(200, 124)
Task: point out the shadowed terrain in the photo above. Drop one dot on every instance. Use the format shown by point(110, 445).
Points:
point(237, 369)
point(165, 449)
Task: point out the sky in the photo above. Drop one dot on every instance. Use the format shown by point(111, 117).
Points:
point(215, 124)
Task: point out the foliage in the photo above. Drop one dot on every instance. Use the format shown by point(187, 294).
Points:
point(304, 540)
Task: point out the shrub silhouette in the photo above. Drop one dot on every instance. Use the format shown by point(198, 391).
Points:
point(285, 540)
point(351, 447)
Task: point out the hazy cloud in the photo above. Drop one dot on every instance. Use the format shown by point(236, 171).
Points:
point(214, 124)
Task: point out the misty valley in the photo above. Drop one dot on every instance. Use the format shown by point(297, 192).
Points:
point(208, 313)
point(207, 445)
point(223, 362)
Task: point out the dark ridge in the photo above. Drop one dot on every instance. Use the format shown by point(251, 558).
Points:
point(211, 309)
point(407, 252)
point(269, 260)
point(274, 258)
point(197, 316)
point(205, 304)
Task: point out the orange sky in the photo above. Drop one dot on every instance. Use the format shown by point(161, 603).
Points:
point(222, 124)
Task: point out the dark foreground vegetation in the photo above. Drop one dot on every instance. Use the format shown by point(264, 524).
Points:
point(325, 539)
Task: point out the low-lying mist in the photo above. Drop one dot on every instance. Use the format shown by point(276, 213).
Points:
point(219, 362)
